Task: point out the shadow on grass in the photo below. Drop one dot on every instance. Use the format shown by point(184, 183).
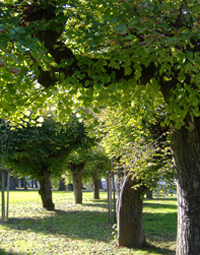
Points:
point(171, 198)
point(160, 227)
point(158, 205)
point(91, 225)
point(73, 224)
point(86, 224)
point(97, 203)
point(3, 252)
point(151, 249)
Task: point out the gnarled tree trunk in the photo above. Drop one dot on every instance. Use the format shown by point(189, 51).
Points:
point(45, 192)
point(186, 147)
point(129, 215)
point(76, 170)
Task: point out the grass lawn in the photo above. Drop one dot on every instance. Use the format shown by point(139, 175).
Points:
point(80, 229)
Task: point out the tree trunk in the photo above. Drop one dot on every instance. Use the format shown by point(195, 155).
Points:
point(129, 215)
point(12, 183)
point(45, 192)
point(100, 184)
point(149, 194)
point(76, 176)
point(15, 179)
point(36, 184)
point(186, 147)
point(23, 183)
point(70, 187)
point(95, 189)
point(62, 185)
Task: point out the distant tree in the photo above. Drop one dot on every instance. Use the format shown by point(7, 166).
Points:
point(40, 150)
point(76, 163)
point(96, 166)
point(62, 185)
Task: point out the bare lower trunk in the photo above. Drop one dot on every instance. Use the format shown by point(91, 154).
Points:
point(129, 215)
point(96, 189)
point(77, 187)
point(186, 147)
point(76, 171)
point(46, 193)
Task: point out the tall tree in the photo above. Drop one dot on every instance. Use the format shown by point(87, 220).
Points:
point(143, 155)
point(107, 52)
point(40, 150)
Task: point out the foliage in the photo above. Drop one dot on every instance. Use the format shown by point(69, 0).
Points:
point(78, 156)
point(80, 229)
point(43, 146)
point(103, 52)
point(140, 147)
point(5, 138)
point(96, 165)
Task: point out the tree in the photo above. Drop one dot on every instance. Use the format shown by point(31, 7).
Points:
point(76, 170)
point(106, 53)
point(76, 163)
point(142, 152)
point(95, 168)
point(40, 150)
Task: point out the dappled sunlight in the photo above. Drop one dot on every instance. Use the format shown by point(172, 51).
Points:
point(76, 224)
point(79, 228)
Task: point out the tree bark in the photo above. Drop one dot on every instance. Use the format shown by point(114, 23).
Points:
point(129, 215)
point(76, 171)
point(96, 189)
point(186, 147)
point(45, 192)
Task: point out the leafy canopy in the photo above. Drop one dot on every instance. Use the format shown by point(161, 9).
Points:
point(44, 146)
point(140, 147)
point(96, 165)
point(100, 52)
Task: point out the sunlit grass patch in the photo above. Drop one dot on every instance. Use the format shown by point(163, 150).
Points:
point(80, 228)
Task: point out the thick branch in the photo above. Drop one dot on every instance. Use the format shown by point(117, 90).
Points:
point(60, 52)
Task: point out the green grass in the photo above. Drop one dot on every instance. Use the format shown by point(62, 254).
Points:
point(80, 229)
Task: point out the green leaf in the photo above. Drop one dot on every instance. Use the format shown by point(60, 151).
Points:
point(128, 71)
point(121, 29)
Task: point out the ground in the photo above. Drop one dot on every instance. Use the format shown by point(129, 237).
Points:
point(80, 229)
